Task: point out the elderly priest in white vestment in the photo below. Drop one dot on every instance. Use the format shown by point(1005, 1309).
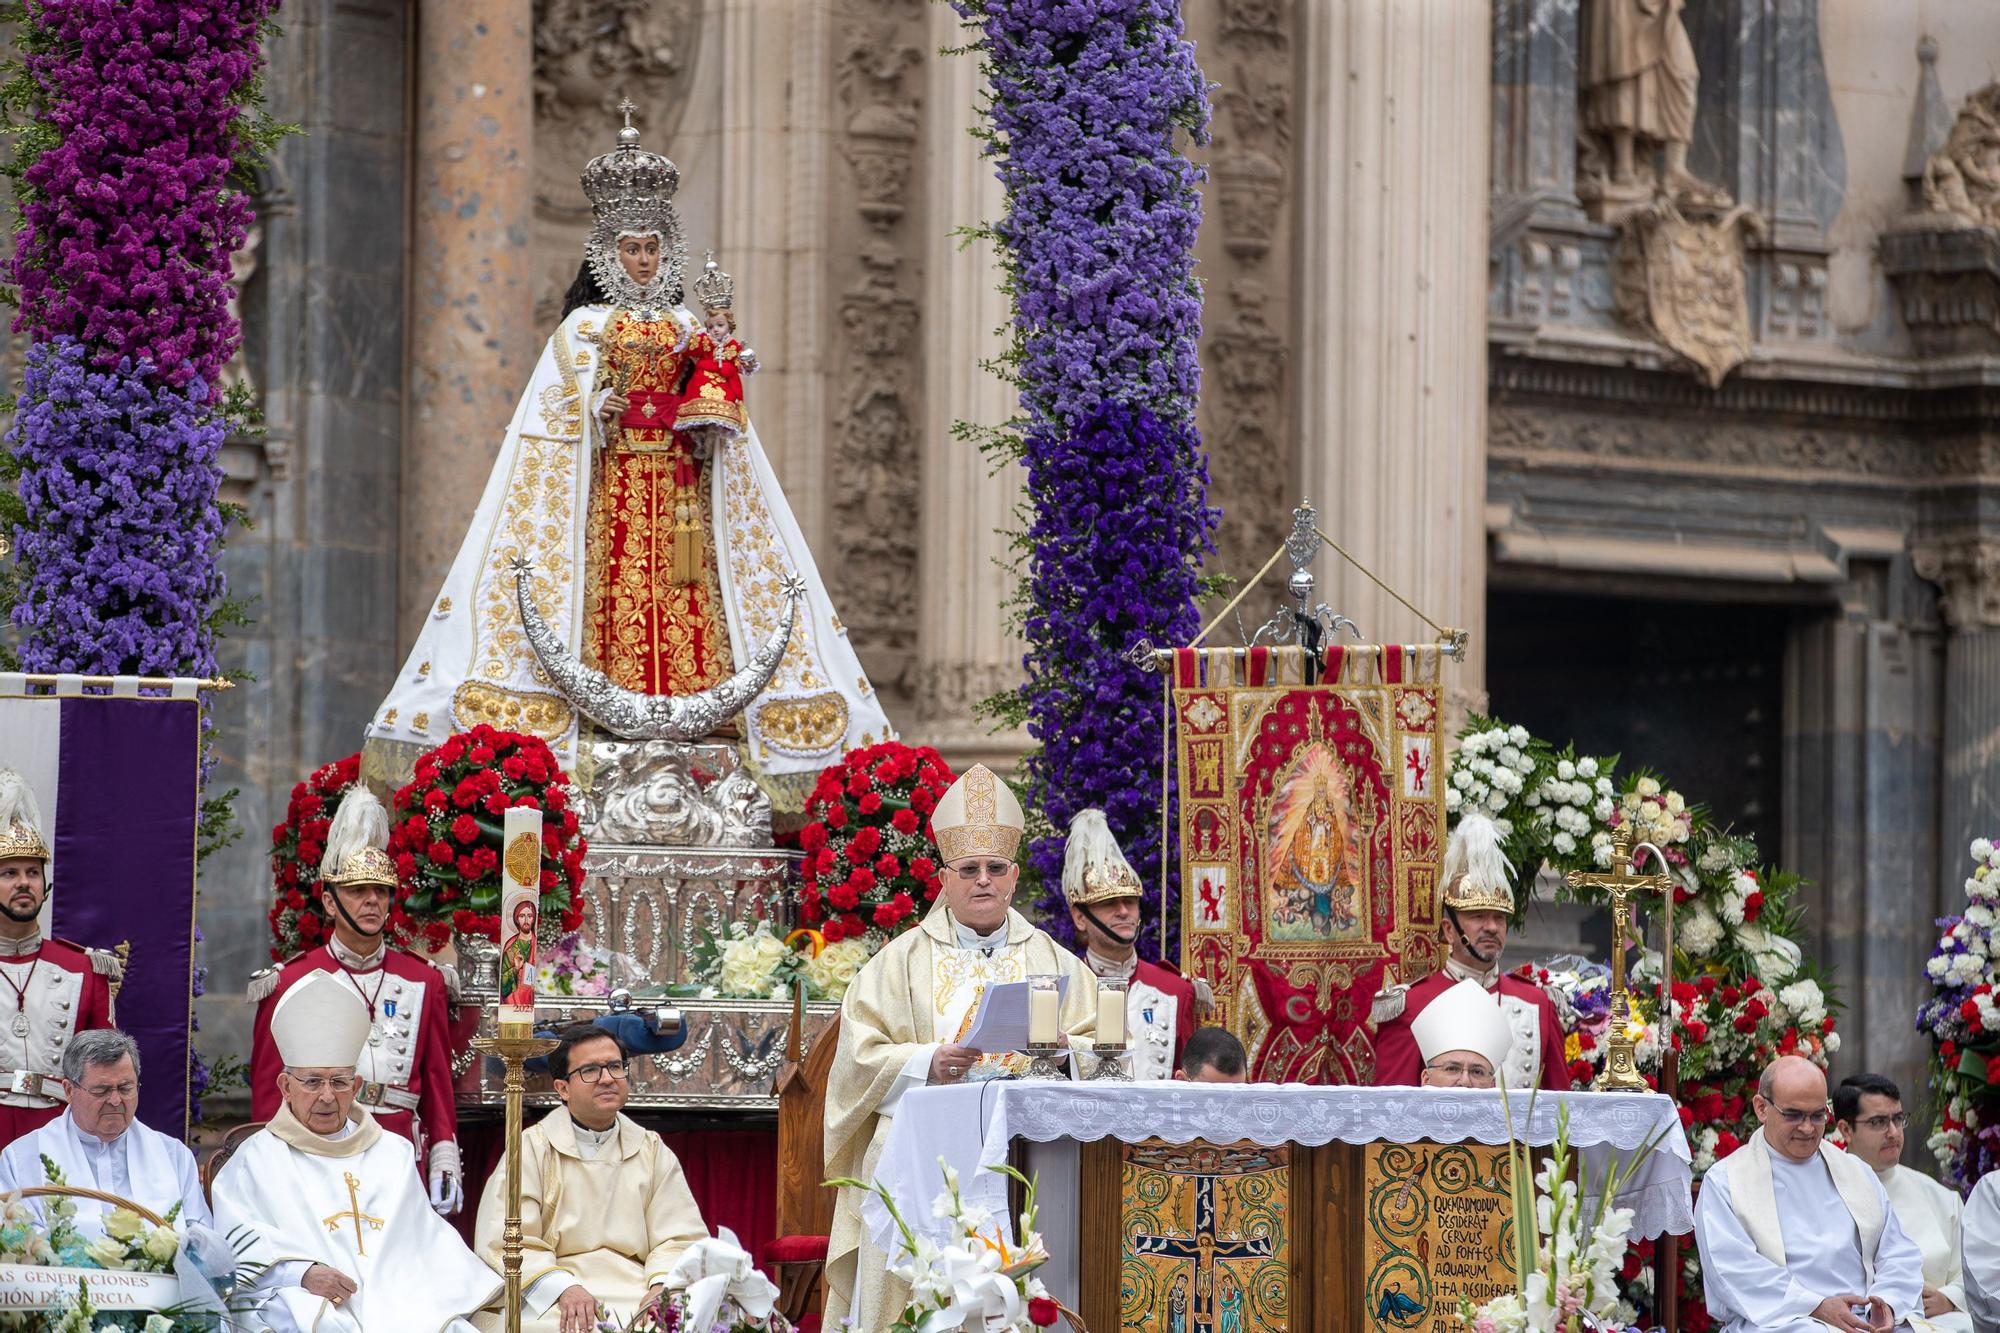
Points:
point(336, 1206)
point(98, 1143)
point(1796, 1236)
point(907, 1008)
point(1868, 1111)
point(1979, 1250)
point(605, 1208)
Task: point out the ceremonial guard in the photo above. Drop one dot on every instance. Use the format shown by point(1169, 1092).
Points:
point(1103, 893)
point(405, 1064)
point(58, 989)
point(1478, 900)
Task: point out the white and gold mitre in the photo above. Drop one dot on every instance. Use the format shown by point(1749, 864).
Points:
point(1466, 1017)
point(320, 1023)
point(1477, 876)
point(1094, 867)
point(20, 820)
point(978, 816)
point(357, 842)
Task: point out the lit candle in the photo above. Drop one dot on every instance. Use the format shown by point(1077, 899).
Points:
point(1043, 1011)
point(1110, 1012)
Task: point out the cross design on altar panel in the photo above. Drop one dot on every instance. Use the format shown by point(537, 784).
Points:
point(1212, 1261)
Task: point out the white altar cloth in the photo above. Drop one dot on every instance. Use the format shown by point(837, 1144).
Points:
point(971, 1125)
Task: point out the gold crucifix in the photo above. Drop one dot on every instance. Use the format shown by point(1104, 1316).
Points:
point(354, 1211)
point(1621, 1073)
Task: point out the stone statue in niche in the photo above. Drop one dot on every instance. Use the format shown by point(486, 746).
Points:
point(1962, 178)
point(1638, 80)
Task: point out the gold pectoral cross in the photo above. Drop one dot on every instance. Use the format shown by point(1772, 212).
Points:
point(353, 1211)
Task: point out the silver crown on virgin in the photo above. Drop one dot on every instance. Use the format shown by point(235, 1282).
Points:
point(630, 184)
point(715, 289)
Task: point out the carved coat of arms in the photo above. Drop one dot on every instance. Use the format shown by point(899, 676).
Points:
point(1681, 279)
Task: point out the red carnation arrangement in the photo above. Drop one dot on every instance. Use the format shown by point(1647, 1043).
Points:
point(298, 921)
point(869, 862)
point(445, 834)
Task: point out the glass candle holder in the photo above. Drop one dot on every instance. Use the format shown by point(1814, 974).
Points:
point(1044, 1011)
point(1111, 1012)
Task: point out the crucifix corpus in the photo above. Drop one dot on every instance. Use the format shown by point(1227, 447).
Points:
point(1621, 1073)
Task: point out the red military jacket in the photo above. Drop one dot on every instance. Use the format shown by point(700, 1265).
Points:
point(48, 994)
point(405, 1068)
point(1538, 1035)
point(1160, 1016)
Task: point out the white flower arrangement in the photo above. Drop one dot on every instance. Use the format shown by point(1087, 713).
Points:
point(834, 967)
point(978, 1281)
point(1568, 1259)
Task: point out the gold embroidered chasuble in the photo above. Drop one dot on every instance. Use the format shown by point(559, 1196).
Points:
point(918, 992)
point(615, 1222)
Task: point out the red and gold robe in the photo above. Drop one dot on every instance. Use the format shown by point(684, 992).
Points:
point(653, 619)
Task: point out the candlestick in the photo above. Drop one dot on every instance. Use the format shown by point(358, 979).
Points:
point(513, 1051)
point(1044, 1011)
point(1111, 1011)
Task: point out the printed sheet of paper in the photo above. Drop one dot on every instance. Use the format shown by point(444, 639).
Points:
point(1002, 1021)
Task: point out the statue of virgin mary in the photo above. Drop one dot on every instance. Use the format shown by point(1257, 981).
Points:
point(660, 558)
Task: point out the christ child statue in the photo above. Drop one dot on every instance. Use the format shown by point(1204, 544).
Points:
point(717, 359)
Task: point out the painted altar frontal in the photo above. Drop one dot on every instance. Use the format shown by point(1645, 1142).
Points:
point(1206, 1208)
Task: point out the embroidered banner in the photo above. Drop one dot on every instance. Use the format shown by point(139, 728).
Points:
point(117, 780)
point(1312, 827)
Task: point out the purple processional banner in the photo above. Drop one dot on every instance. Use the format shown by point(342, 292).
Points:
point(117, 783)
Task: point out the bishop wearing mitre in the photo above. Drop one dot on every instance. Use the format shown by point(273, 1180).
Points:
point(340, 1225)
point(906, 1010)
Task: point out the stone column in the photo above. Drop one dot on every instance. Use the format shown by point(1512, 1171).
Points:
point(1967, 572)
point(964, 651)
point(473, 342)
point(1392, 286)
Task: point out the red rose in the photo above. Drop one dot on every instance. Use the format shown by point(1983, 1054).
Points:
point(496, 804)
point(905, 822)
point(481, 755)
point(570, 823)
point(514, 767)
point(858, 851)
point(1751, 985)
point(468, 867)
point(831, 932)
point(1752, 905)
point(435, 800)
point(550, 879)
point(836, 817)
point(465, 828)
point(406, 866)
point(812, 837)
point(857, 784)
point(311, 852)
point(1687, 1117)
point(922, 801)
point(886, 915)
point(843, 896)
point(553, 797)
point(923, 867)
point(869, 803)
point(1756, 1009)
point(295, 900)
point(1725, 1144)
point(1826, 1024)
point(860, 879)
point(869, 840)
point(905, 905)
point(1969, 1011)
point(1746, 1024)
point(1730, 995)
point(1697, 1031)
point(1042, 1312)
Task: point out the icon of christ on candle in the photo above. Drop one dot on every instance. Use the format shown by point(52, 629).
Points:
point(658, 542)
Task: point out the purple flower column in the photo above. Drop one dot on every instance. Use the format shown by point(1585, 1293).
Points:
point(1089, 98)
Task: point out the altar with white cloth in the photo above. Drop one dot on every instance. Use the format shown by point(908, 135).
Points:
point(1177, 1205)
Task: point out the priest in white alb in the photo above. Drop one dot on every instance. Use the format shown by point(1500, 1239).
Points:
point(1868, 1111)
point(1796, 1236)
point(605, 1208)
point(907, 1008)
point(98, 1142)
point(335, 1206)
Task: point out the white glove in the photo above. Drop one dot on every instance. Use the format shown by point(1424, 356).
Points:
point(447, 1184)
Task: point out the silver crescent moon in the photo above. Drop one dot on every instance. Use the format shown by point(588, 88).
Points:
point(644, 717)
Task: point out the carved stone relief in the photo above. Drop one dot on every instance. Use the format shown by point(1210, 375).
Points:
point(1637, 80)
point(1246, 410)
point(1967, 573)
point(873, 469)
point(1681, 279)
point(1944, 257)
point(590, 54)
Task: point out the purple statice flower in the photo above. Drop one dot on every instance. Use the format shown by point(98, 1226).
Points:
point(129, 214)
point(1091, 104)
point(118, 551)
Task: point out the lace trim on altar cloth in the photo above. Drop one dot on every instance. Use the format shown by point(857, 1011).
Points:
point(972, 1128)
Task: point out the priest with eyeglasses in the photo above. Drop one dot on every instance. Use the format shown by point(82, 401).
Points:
point(337, 1220)
point(1796, 1236)
point(1868, 1110)
point(605, 1208)
point(907, 1011)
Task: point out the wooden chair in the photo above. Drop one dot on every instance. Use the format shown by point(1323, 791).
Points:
point(797, 1258)
point(215, 1161)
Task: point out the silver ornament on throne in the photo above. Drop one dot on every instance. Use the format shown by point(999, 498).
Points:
point(680, 846)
